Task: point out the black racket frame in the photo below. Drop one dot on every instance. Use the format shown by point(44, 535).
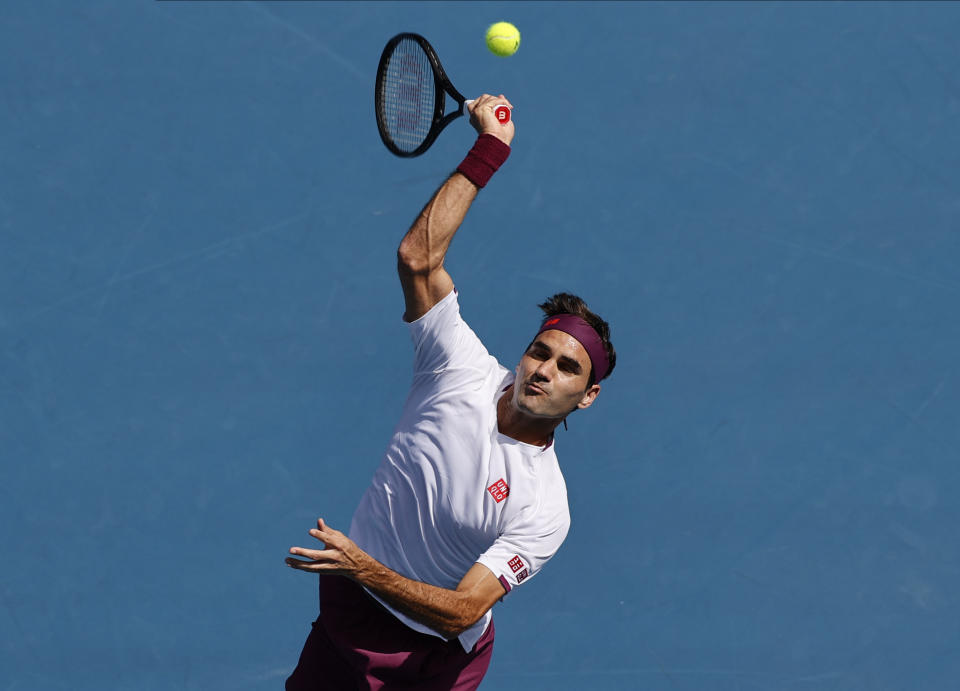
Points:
point(440, 82)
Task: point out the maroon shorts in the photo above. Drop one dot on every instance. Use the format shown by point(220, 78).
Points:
point(357, 645)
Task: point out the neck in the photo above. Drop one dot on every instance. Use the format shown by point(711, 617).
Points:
point(516, 424)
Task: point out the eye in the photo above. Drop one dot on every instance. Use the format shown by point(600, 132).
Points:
point(538, 353)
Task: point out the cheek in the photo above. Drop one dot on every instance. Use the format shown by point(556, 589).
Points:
point(523, 367)
point(575, 388)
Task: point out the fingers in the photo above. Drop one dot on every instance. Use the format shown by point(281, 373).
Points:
point(488, 100)
point(331, 559)
point(311, 566)
point(325, 533)
point(482, 109)
point(323, 528)
point(324, 555)
point(300, 565)
point(484, 119)
point(314, 560)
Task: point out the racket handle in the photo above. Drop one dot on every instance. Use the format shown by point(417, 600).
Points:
point(502, 112)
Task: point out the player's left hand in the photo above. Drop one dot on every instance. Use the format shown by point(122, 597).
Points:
point(341, 555)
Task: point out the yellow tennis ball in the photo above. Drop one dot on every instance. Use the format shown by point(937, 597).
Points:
point(503, 39)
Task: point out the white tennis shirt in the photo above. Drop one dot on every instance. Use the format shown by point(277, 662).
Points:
point(451, 490)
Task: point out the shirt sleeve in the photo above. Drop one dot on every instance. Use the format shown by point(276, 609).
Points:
point(520, 553)
point(441, 339)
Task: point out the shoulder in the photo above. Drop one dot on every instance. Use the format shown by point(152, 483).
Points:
point(553, 506)
point(546, 508)
point(443, 341)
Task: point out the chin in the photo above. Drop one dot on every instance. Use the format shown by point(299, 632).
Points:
point(535, 407)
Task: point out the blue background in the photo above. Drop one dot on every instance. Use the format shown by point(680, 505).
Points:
point(201, 348)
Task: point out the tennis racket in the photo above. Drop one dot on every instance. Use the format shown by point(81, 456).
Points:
point(410, 96)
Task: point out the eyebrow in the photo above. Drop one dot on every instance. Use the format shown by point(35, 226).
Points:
point(565, 359)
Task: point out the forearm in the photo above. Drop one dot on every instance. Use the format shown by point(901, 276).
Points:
point(423, 249)
point(425, 245)
point(448, 612)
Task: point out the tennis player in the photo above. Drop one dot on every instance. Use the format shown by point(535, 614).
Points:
point(468, 502)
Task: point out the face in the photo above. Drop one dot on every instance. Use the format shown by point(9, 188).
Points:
point(552, 377)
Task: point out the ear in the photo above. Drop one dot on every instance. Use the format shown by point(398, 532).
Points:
point(589, 397)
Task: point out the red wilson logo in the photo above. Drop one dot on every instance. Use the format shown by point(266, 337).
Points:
point(499, 490)
point(516, 564)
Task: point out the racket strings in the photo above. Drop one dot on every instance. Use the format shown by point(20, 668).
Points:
point(408, 96)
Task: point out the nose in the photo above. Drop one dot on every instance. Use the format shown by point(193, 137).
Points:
point(545, 369)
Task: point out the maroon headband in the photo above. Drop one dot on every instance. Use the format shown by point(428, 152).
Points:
point(585, 334)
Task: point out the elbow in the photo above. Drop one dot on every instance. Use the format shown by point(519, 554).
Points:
point(453, 630)
point(412, 262)
point(463, 621)
point(452, 626)
point(450, 632)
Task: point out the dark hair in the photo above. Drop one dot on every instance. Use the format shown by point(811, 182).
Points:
point(565, 303)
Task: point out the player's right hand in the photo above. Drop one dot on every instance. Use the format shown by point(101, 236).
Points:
point(484, 120)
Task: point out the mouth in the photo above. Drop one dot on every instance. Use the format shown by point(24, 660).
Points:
point(532, 389)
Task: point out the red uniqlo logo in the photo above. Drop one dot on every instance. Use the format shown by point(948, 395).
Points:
point(499, 490)
point(516, 564)
point(522, 575)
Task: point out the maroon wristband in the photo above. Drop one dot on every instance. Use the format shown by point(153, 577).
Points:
point(486, 156)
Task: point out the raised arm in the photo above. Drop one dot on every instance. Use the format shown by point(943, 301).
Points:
point(422, 251)
point(448, 612)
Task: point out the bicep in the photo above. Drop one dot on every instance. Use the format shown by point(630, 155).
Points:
point(421, 291)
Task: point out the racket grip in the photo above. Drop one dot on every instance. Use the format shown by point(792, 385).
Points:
point(502, 112)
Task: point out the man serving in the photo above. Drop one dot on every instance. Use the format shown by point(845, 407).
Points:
point(468, 502)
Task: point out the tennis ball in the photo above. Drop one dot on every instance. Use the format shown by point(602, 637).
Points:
point(503, 39)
